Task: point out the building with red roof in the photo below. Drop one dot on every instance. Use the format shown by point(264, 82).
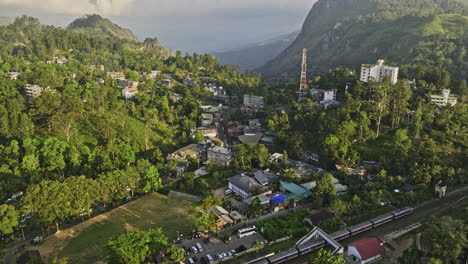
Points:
point(366, 250)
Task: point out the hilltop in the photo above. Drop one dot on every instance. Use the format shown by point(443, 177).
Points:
point(95, 24)
point(351, 32)
point(256, 54)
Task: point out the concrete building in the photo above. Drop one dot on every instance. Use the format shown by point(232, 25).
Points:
point(219, 155)
point(378, 72)
point(248, 184)
point(444, 99)
point(366, 250)
point(129, 92)
point(253, 100)
point(14, 75)
point(207, 120)
point(116, 75)
point(222, 216)
point(323, 95)
point(33, 91)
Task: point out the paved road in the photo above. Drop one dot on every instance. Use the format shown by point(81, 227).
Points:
point(251, 222)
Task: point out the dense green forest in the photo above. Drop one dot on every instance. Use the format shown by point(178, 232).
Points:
point(350, 33)
point(87, 133)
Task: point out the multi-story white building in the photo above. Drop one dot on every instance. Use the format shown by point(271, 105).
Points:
point(253, 100)
point(444, 99)
point(378, 72)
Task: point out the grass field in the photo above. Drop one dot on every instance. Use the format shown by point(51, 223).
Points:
point(86, 242)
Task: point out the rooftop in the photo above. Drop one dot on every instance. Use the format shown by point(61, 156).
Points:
point(368, 247)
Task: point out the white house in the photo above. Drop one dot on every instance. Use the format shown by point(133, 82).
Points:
point(129, 92)
point(378, 72)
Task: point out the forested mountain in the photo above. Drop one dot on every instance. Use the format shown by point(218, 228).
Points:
point(351, 32)
point(95, 24)
point(80, 127)
point(255, 55)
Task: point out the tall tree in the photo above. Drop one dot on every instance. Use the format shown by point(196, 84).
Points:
point(136, 246)
point(9, 219)
point(323, 256)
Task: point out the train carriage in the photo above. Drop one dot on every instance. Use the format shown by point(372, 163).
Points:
point(380, 220)
point(284, 256)
point(340, 235)
point(402, 212)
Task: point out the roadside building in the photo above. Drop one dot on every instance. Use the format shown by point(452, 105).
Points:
point(251, 183)
point(366, 250)
point(219, 155)
point(222, 216)
point(294, 192)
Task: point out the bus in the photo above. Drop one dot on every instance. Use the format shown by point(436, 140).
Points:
point(247, 231)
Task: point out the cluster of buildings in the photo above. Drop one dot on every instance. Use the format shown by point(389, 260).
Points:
point(58, 60)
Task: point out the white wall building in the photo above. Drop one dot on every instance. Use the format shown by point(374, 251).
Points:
point(129, 92)
point(378, 72)
point(253, 100)
point(366, 250)
point(444, 99)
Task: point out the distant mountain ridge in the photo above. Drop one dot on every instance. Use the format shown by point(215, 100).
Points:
point(95, 24)
point(254, 55)
point(351, 32)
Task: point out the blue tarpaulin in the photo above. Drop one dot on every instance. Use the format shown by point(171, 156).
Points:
point(278, 199)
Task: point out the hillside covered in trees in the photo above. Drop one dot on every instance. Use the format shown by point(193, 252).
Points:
point(349, 33)
point(82, 130)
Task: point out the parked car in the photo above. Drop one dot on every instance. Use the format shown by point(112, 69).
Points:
point(210, 258)
point(220, 256)
point(233, 252)
point(195, 250)
point(200, 249)
point(226, 239)
point(191, 261)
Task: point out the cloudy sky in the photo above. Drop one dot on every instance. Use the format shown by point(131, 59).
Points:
point(189, 25)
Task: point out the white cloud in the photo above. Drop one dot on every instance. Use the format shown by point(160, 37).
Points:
point(104, 7)
point(149, 7)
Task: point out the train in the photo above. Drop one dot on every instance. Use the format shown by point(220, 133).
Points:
point(315, 244)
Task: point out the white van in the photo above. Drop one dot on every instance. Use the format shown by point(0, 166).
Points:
point(200, 249)
point(209, 257)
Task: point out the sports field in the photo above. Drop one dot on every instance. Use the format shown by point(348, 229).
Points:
point(86, 242)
